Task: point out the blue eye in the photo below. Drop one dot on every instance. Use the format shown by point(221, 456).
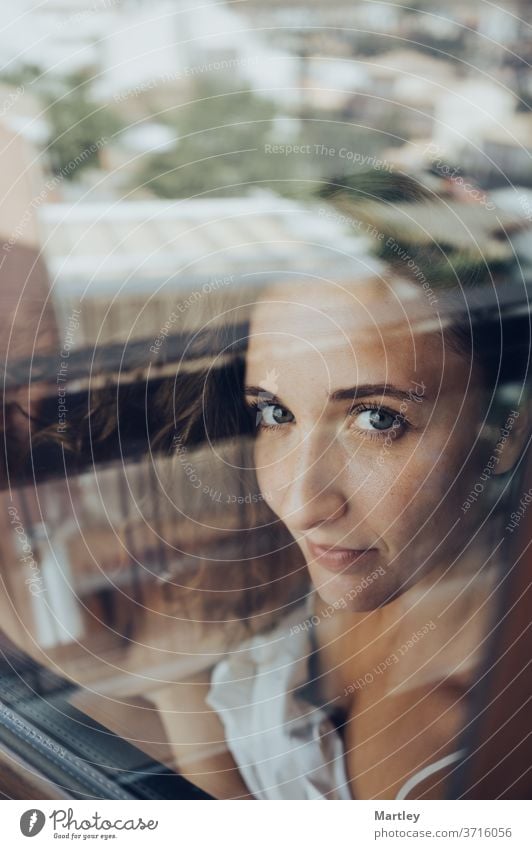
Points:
point(378, 422)
point(271, 415)
point(372, 420)
point(266, 414)
point(375, 418)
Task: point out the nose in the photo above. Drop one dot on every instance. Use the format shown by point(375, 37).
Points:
point(314, 494)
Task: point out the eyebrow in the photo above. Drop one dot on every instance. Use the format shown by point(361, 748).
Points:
point(362, 391)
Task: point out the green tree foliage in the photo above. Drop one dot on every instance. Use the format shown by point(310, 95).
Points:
point(221, 147)
point(79, 127)
point(220, 139)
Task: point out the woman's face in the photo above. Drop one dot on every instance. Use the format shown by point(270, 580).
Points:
point(365, 419)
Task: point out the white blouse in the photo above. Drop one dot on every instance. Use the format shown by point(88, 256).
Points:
point(285, 746)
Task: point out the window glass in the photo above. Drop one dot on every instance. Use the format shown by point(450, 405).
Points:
point(265, 479)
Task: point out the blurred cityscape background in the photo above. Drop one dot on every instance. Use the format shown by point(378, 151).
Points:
point(111, 108)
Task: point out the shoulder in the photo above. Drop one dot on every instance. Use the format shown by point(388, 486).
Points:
point(197, 738)
point(216, 717)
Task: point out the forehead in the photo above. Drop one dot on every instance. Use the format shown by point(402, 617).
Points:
point(325, 327)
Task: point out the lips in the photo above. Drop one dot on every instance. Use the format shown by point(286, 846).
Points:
point(338, 559)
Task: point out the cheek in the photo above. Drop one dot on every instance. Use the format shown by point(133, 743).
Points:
point(268, 472)
point(405, 491)
point(449, 468)
point(386, 504)
point(432, 492)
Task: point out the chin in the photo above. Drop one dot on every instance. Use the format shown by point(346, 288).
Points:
point(356, 593)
